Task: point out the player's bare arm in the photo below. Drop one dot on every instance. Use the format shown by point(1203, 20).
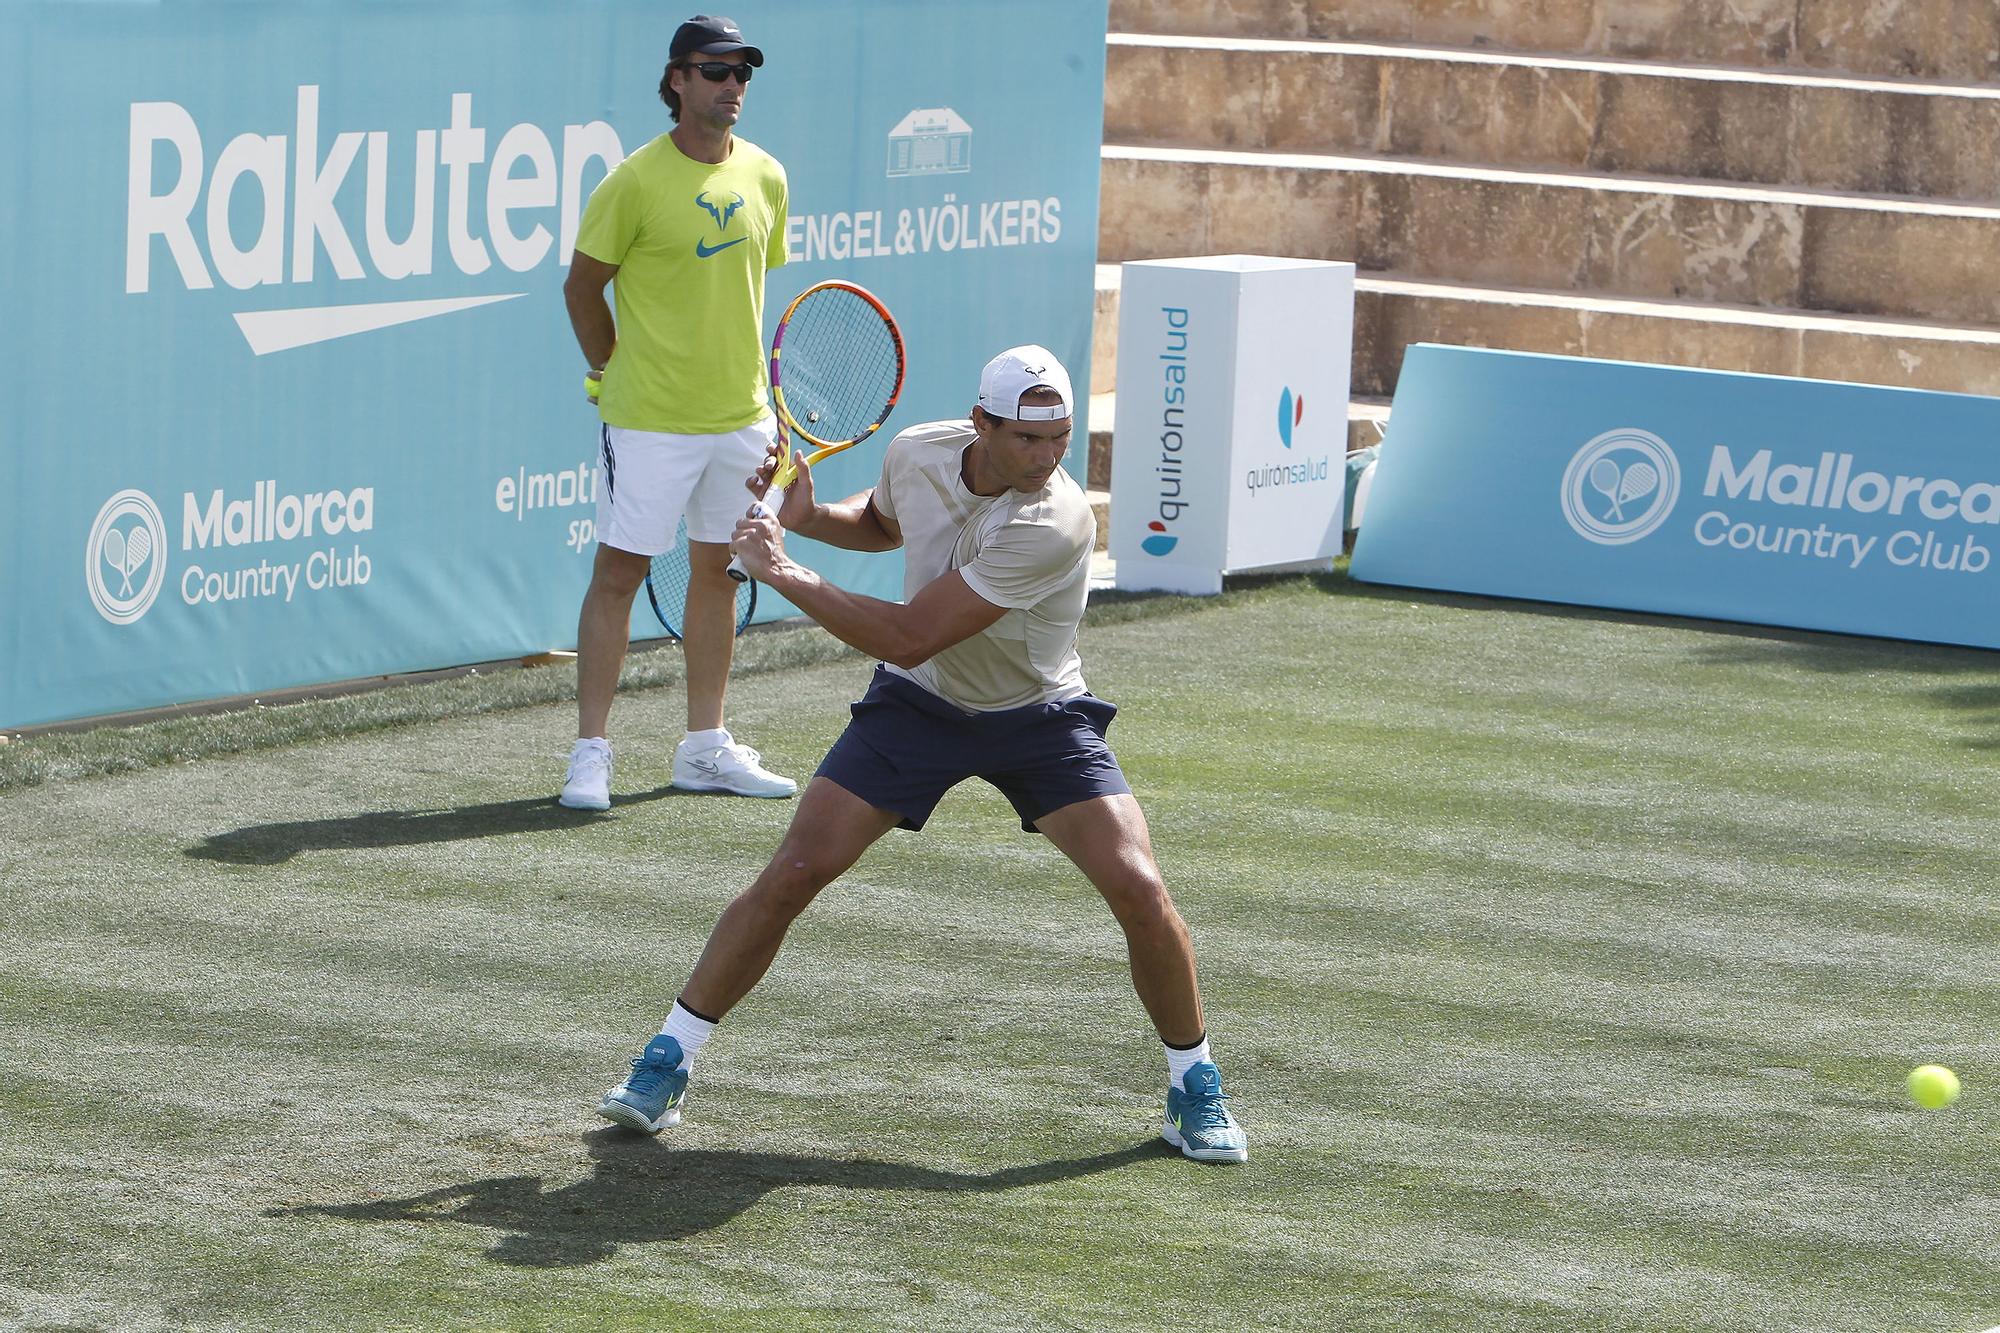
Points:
point(853, 524)
point(944, 612)
point(589, 312)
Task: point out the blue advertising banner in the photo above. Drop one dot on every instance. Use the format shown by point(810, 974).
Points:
point(290, 394)
point(1822, 506)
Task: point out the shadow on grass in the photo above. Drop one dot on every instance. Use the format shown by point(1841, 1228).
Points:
point(275, 844)
point(643, 1192)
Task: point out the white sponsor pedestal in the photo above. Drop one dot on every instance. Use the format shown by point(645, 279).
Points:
point(1231, 429)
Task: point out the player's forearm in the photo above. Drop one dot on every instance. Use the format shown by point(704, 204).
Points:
point(849, 524)
point(884, 630)
point(590, 317)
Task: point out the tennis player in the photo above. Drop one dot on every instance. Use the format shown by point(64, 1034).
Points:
point(979, 678)
point(682, 231)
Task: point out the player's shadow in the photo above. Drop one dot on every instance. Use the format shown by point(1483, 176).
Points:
point(643, 1192)
point(275, 844)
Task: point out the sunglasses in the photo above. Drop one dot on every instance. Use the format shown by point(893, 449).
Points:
point(715, 71)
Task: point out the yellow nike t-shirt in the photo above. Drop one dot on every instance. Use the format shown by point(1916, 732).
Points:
point(692, 241)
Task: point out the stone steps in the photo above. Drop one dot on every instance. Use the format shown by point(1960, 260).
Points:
point(1580, 115)
point(1952, 40)
point(1783, 248)
point(1393, 311)
point(1752, 185)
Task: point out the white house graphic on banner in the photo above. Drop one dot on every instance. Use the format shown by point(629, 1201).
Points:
point(930, 142)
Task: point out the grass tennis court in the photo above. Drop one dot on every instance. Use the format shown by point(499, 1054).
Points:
point(1565, 968)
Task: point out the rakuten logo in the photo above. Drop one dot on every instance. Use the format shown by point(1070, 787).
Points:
point(299, 192)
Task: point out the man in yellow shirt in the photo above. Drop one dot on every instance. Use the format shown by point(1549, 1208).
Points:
point(682, 231)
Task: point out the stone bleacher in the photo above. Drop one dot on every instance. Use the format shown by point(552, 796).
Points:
point(1794, 187)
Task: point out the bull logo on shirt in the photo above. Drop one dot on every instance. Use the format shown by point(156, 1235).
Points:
point(721, 213)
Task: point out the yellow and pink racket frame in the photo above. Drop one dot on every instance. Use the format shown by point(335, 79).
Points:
point(824, 448)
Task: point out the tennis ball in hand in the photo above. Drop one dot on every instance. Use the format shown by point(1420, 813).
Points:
point(1933, 1087)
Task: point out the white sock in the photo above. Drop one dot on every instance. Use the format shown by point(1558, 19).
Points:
point(691, 1032)
point(706, 740)
point(1179, 1061)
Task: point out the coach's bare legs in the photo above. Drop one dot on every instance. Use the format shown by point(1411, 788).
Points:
point(710, 632)
point(829, 832)
point(603, 630)
point(1108, 839)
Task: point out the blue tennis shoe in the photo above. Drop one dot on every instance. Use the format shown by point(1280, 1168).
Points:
point(1197, 1121)
point(650, 1098)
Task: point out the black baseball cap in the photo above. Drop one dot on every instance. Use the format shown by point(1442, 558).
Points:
point(712, 35)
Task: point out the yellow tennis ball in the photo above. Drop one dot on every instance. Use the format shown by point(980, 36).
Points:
point(1933, 1087)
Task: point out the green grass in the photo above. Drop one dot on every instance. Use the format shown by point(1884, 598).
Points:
point(1564, 966)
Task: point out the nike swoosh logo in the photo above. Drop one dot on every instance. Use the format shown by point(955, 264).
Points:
point(270, 331)
point(704, 251)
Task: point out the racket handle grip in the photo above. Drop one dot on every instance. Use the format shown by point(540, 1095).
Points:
point(736, 570)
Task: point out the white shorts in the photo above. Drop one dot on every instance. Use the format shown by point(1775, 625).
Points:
point(652, 479)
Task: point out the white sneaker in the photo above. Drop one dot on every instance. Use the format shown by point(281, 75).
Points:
point(589, 783)
point(731, 768)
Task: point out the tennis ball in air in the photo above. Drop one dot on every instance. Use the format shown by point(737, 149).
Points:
point(1933, 1087)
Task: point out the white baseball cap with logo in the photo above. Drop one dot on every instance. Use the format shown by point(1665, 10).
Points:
point(1017, 370)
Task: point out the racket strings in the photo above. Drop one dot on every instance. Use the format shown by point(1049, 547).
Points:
point(839, 366)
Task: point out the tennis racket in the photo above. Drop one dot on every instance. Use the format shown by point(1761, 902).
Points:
point(836, 371)
point(667, 589)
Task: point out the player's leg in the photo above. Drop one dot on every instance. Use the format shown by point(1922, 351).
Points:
point(1054, 765)
point(828, 834)
point(710, 642)
point(710, 758)
point(643, 482)
point(1107, 838)
point(1109, 841)
point(830, 830)
point(603, 632)
point(902, 751)
point(602, 636)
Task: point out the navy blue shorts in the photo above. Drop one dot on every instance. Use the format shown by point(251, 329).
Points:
point(905, 748)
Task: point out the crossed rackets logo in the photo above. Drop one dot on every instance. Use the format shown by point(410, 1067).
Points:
point(125, 560)
point(1621, 486)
